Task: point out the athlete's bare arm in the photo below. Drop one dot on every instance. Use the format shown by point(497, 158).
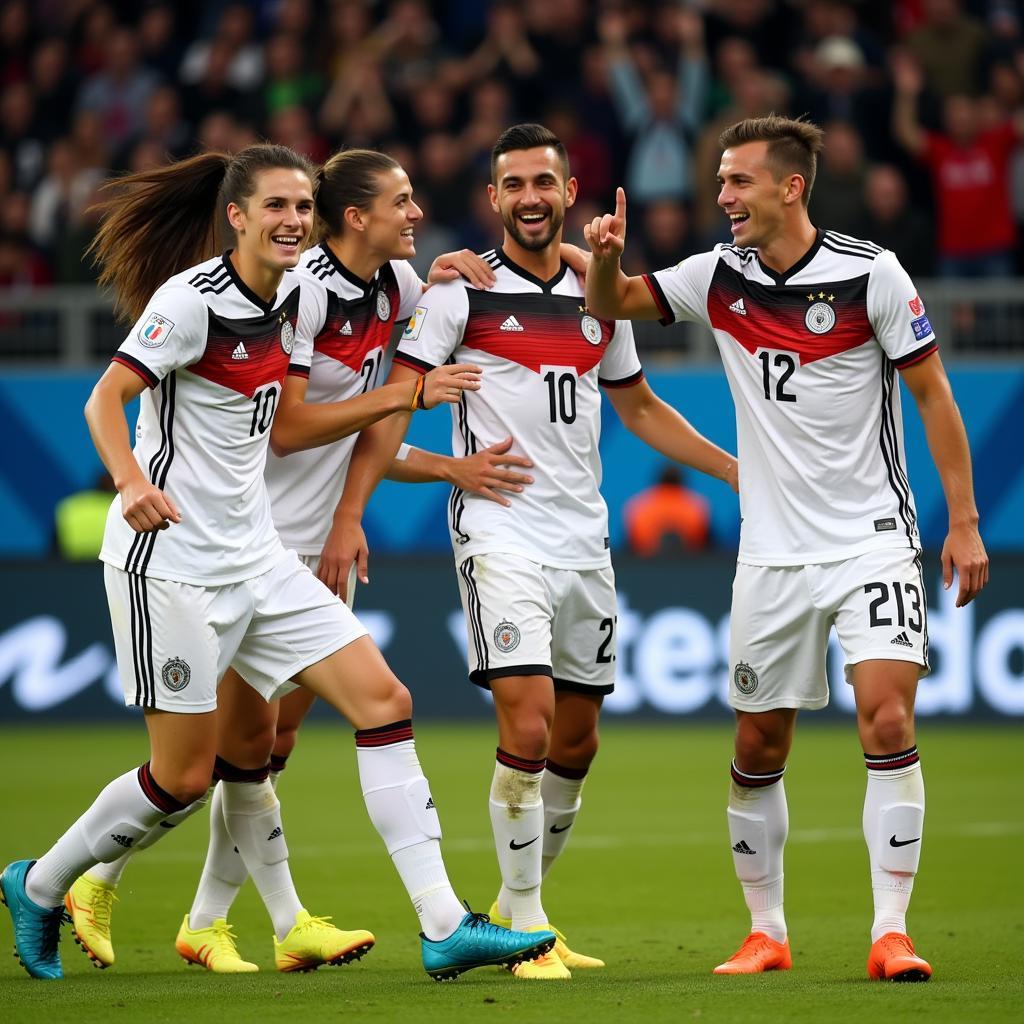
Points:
point(485, 472)
point(610, 293)
point(657, 424)
point(299, 425)
point(963, 549)
point(465, 263)
point(144, 506)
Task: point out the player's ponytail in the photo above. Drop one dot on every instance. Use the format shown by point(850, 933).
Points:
point(349, 178)
point(158, 223)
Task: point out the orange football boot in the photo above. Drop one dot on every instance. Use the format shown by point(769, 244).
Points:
point(892, 958)
point(758, 953)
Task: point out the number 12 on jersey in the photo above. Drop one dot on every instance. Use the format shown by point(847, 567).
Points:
point(785, 367)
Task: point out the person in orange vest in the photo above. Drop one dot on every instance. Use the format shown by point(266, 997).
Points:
point(665, 512)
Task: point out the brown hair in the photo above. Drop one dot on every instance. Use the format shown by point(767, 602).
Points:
point(793, 145)
point(158, 223)
point(349, 178)
point(528, 136)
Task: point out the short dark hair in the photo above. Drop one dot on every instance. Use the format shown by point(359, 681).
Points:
point(528, 136)
point(793, 145)
point(349, 178)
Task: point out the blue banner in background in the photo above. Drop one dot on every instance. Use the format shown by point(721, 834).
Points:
point(48, 455)
point(57, 662)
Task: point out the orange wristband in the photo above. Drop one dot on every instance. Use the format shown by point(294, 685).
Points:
point(417, 395)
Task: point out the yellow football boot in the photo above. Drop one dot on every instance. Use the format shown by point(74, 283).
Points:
point(90, 903)
point(213, 948)
point(574, 961)
point(313, 941)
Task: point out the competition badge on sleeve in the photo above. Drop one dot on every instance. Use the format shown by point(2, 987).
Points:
point(155, 331)
point(920, 325)
point(412, 330)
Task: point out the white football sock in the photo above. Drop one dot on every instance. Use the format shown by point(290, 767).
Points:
point(402, 810)
point(758, 827)
point(560, 791)
point(893, 830)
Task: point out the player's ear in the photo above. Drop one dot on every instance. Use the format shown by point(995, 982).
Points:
point(236, 216)
point(354, 219)
point(571, 187)
point(493, 193)
point(795, 188)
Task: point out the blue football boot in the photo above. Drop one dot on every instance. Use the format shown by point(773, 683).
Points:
point(36, 929)
point(477, 943)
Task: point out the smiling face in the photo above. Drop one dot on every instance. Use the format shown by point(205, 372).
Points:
point(532, 195)
point(389, 222)
point(755, 201)
point(275, 221)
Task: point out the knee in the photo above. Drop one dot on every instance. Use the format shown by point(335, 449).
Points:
point(249, 745)
point(575, 751)
point(888, 728)
point(760, 749)
point(397, 703)
point(284, 741)
point(526, 733)
point(187, 785)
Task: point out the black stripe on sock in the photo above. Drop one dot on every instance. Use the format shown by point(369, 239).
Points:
point(225, 771)
point(520, 764)
point(756, 780)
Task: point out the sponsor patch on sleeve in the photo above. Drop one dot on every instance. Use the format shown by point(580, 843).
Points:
point(916, 306)
point(155, 331)
point(412, 330)
point(921, 327)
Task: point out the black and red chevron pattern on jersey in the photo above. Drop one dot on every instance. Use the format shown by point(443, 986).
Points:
point(259, 338)
point(539, 330)
point(775, 316)
point(353, 327)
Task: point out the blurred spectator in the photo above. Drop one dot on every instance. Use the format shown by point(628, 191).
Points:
point(765, 25)
point(163, 127)
point(837, 199)
point(735, 63)
point(289, 82)
point(442, 179)
point(213, 89)
point(949, 47)
point(589, 157)
point(81, 518)
point(970, 171)
point(19, 136)
point(15, 42)
point(62, 195)
point(234, 38)
point(21, 265)
point(119, 92)
point(54, 87)
point(663, 114)
point(889, 221)
point(667, 517)
point(492, 110)
point(159, 48)
point(90, 145)
point(293, 127)
point(357, 108)
point(665, 237)
point(91, 36)
point(432, 236)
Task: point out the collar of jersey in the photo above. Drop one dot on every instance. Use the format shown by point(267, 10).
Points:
point(345, 272)
point(243, 287)
point(798, 266)
point(546, 286)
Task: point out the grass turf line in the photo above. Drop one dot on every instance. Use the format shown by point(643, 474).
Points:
point(646, 883)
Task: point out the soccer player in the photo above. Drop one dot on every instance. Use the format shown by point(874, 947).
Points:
point(535, 576)
point(194, 590)
point(358, 283)
point(812, 326)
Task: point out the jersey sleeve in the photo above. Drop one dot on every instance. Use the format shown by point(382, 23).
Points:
point(435, 328)
point(681, 292)
point(170, 334)
point(410, 288)
point(620, 365)
point(897, 314)
point(311, 319)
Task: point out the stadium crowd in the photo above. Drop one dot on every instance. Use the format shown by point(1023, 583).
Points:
point(923, 101)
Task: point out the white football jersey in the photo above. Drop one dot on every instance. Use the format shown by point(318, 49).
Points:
point(215, 357)
point(351, 321)
point(811, 357)
point(543, 356)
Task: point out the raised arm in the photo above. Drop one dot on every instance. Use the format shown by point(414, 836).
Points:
point(963, 549)
point(908, 82)
point(610, 292)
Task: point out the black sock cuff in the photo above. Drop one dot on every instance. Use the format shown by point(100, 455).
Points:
point(385, 735)
point(564, 772)
point(756, 780)
point(892, 762)
point(520, 764)
point(155, 793)
point(278, 762)
point(225, 771)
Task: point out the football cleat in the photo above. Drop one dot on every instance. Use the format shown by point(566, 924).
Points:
point(476, 943)
point(546, 967)
point(758, 953)
point(574, 961)
point(36, 928)
point(90, 904)
point(892, 958)
point(213, 948)
point(313, 941)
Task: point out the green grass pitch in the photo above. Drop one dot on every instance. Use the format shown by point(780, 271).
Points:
point(646, 883)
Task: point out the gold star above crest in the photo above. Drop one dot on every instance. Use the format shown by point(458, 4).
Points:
point(582, 309)
point(810, 298)
point(831, 297)
point(821, 295)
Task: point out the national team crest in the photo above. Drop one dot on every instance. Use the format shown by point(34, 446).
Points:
point(176, 674)
point(820, 318)
point(591, 330)
point(383, 306)
point(287, 337)
point(745, 678)
point(506, 637)
point(155, 331)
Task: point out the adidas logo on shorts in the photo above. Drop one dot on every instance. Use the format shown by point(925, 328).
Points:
point(902, 640)
point(511, 324)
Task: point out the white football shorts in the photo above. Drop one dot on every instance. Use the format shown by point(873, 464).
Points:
point(312, 562)
point(782, 615)
point(523, 618)
point(174, 640)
